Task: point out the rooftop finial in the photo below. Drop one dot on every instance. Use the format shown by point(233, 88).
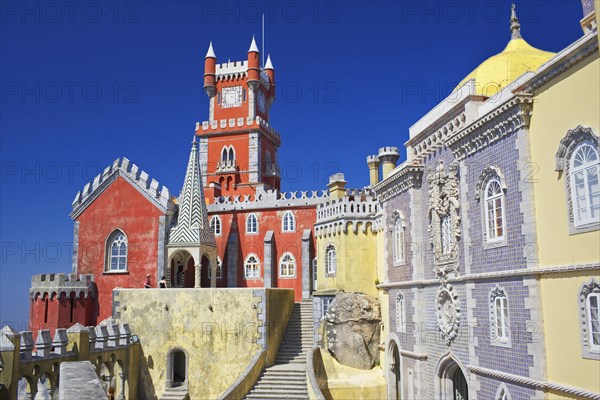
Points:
point(210, 52)
point(515, 27)
point(253, 46)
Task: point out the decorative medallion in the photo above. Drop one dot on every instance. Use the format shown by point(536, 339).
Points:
point(444, 218)
point(447, 312)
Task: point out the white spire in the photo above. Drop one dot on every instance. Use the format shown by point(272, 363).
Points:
point(210, 52)
point(192, 221)
point(253, 46)
point(269, 64)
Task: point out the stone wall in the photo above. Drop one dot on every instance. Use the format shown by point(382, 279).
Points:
point(219, 330)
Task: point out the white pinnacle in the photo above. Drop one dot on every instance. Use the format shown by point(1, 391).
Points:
point(269, 64)
point(210, 52)
point(253, 46)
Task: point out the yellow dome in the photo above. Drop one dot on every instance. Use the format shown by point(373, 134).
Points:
point(495, 73)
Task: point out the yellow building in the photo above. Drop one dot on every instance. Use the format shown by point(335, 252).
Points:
point(564, 169)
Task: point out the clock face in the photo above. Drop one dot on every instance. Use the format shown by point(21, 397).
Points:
point(231, 97)
point(262, 102)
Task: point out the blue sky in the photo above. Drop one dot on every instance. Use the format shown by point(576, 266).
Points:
point(85, 82)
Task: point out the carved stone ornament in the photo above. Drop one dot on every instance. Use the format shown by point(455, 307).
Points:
point(444, 203)
point(487, 174)
point(447, 312)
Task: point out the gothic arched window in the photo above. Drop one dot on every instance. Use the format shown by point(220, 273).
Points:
point(499, 317)
point(215, 225)
point(251, 224)
point(116, 250)
point(288, 224)
point(398, 241)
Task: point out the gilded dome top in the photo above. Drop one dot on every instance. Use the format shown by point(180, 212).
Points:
point(498, 71)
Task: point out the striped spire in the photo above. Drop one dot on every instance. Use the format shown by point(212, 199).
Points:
point(192, 222)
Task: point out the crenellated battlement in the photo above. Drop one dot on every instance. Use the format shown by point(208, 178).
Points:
point(34, 359)
point(50, 284)
point(267, 199)
point(150, 187)
point(231, 69)
point(208, 127)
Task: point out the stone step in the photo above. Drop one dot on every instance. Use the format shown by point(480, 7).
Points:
point(276, 396)
point(272, 382)
point(267, 390)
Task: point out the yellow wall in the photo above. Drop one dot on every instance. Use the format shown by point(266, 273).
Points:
point(559, 107)
point(356, 262)
point(217, 327)
point(563, 341)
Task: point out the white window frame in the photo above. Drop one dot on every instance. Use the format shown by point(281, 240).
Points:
point(500, 334)
point(584, 169)
point(216, 225)
point(400, 313)
point(330, 260)
point(290, 263)
point(590, 289)
point(325, 304)
point(254, 272)
point(251, 224)
point(502, 393)
point(288, 222)
point(490, 206)
point(110, 240)
point(398, 241)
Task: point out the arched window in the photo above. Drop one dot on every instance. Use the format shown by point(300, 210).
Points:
point(252, 267)
point(287, 266)
point(288, 224)
point(502, 392)
point(224, 154)
point(231, 156)
point(494, 211)
point(330, 260)
point(219, 270)
point(251, 224)
point(215, 225)
point(400, 313)
point(398, 241)
point(268, 161)
point(500, 328)
point(585, 188)
point(116, 250)
point(589, 318)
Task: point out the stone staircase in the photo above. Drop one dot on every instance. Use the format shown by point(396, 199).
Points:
point(286, 379)
point(176, 393)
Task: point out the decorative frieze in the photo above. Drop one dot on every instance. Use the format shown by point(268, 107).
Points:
point(408, 176)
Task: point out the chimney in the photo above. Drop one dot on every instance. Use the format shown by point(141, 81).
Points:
point(388, 157)
point(373, 163)
point(337, 186)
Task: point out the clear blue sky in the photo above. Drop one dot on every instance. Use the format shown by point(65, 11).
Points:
point(85, 82)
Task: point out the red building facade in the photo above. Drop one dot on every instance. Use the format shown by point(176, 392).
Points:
point(124, 220)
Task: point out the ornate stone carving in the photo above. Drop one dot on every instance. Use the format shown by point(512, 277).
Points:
point(591, 287)
point(444, 203)
point(447, 312)
point(486, 175)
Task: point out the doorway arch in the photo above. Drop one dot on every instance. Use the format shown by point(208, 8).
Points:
point(181, 270)
point(394, 368)
point(177, 368)
point(451, 382)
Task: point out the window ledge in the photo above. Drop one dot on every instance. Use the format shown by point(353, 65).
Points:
point(115, 272)
point(575, 230)
point(287, 277)
point(495, 244)
point(501, 343)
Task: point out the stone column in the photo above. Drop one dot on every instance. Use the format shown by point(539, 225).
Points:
point(198, 275)
point(268, 259)
point(306, 281)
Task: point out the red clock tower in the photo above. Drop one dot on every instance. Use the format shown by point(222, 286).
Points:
point(238, 147)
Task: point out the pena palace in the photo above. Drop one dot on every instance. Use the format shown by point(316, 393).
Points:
point(128, 225)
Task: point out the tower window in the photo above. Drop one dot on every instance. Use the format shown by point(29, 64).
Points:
point(116, 250)
point(330, 260)
point(288, 224)
point(585, 187)
point(494, 210)
point(251, 224)
point(215, 225)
